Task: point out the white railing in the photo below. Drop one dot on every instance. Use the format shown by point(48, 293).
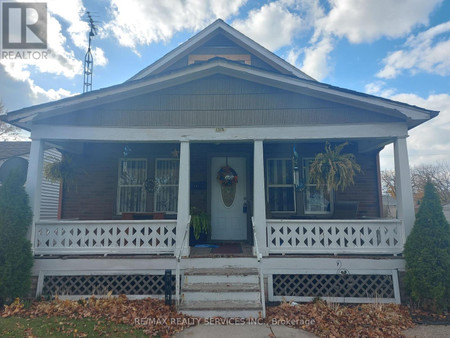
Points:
point(381, 236)
point(178, 256)
point(260, 270)
point(105, 237)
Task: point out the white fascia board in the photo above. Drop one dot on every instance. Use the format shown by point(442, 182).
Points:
point(243, 40)
point(310, 132)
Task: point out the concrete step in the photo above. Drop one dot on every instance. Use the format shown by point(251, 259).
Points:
point(221, 292)
point(189, 296)
point(213, 279)
point(225, 271)
point(226, 309)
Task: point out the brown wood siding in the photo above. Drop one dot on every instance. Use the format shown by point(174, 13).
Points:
point(219, 101)
point(94, 196)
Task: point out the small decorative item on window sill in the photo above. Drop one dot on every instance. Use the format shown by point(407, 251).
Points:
point(227, 176)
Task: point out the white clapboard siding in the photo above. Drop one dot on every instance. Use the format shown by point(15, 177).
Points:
point(50, 190)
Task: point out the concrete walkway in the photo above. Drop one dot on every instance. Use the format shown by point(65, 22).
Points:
point(280, 331)
point(243, 330)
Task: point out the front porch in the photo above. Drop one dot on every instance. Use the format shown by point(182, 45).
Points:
point(112, 212)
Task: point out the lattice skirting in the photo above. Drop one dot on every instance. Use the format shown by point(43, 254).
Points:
point(347, 288)
point(101, 284)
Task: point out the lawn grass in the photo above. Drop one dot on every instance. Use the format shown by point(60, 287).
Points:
point(63, 327)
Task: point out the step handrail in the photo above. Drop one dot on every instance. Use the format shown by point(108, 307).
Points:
point(178, 257)
point(260, 270)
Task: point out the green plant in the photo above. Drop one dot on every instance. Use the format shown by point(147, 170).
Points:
point(334, 170)
point(61, 171)
point(199, 222)
point(16, 258)
point(427, 255)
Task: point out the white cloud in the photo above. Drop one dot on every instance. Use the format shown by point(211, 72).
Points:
point(427, 52)
point(377, 88)
point(367, 20)
point(316, 60)
point(272, 25)
point(22, 92)
point(138, 22)
point(360, 21)
point(71, 11)
point(429, 142)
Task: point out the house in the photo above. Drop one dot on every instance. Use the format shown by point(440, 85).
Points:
point(14, 156)
point(215, 124)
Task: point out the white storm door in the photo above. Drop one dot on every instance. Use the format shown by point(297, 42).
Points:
point(228, 220)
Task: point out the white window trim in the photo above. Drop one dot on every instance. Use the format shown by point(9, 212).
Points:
point(165, 185)
point(119, 186)
point(307, 184)
point(280, 186)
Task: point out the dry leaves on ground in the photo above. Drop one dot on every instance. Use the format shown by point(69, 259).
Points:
point(149, 314)
point(334, 320)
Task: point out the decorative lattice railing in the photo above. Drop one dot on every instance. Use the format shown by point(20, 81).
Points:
point(335, 236)
point(105, 237)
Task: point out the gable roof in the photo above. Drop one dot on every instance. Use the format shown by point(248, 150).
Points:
point(159, 75)
point(216, 28)
point(24, 117)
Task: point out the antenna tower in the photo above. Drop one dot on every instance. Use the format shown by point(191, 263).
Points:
point(88, 58)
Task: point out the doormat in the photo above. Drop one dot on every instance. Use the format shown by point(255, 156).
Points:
point(234, 248)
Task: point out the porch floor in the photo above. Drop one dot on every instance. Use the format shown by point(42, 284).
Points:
point(225, 249)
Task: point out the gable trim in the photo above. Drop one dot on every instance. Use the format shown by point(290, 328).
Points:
point(237, 36)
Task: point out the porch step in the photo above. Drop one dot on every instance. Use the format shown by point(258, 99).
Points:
point(226, 309)
point(221, 292)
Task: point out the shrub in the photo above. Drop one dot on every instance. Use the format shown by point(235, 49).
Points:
point(427, 255)
point(16, 258)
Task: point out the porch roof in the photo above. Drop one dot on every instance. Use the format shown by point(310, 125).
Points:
point(413, 115)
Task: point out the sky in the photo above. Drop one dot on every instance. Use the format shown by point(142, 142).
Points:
point(397, 49)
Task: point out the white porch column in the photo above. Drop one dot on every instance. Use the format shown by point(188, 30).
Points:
point(34, 183)
point(403, 186)
point(259, 197)
point(183, 199)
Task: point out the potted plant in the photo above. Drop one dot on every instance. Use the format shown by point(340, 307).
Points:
point(199, 226)
point(333, 170)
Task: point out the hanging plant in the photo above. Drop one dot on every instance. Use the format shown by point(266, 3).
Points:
point(227, 176)
point(334, 170)
point(61, 171)
point(199, 222)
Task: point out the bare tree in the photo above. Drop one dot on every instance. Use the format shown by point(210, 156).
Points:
point(437, 173)
point(7, 131)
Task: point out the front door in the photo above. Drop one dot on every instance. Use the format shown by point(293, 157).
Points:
point(228, 217)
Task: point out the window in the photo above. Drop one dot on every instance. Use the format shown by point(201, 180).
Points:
point(131, 193)
point(166, 175)
point(317, 200)
point(280, 185)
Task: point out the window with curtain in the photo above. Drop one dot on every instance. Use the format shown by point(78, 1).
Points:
point(280, 185)
point(317, 199)
point(131, 192)
point(166, 176)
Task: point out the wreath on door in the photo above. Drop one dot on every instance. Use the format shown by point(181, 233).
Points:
point(227, 176)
